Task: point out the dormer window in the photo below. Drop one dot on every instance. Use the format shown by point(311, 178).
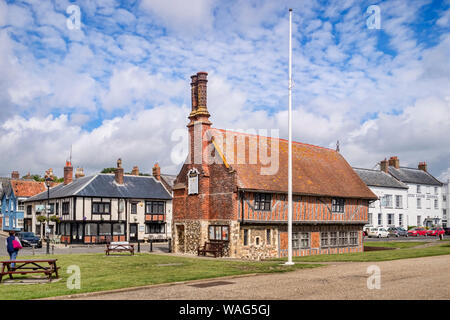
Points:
point(193, 181)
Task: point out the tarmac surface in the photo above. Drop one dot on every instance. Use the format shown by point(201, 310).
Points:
point(420, 278)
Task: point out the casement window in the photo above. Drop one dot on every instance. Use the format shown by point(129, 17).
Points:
point(29, 208)
point(419, 203)
point(154, 207)
point(21, 206)
point(57, 208)
point(65, 207)
point(155, 228)
point(100, 208)
point(193, 181)
point(333, 239)
point(338, 205)
point(245, 237)
point(268, 236)
point(343, 238)
point(435, 190)
point(390, 219)
point(133, 208)
point(119, 229)
point(399, 202)
point(300, 240)
point(400, 219)
point(380, 219)
point(419, 219)
point(324, 239)
point(418, 189)
point(91, 229)
point(104, 229)
point(353, 238)
point(387, 201)
point(436, 204)
point(369, 218)
point(263, 201)
point(220, 233)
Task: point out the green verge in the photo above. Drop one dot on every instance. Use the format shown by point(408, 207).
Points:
point(393, 244)
point(384, 255)
point(100, 272)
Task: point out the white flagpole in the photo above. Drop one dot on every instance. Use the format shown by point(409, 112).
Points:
point(289, 262)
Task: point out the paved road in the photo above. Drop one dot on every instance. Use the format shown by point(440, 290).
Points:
point(419, 238)
point(61, 249)
point(420, 278)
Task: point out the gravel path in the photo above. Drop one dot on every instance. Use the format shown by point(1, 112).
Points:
point(419, 278)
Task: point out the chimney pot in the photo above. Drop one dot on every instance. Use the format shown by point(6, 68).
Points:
point(422, 166)
point(15, 175)
point(157, 172)
point(68, 173)
point(384, 165)
point(79, 173)
point(119, 172)
point(135, 171)
point(394, 162)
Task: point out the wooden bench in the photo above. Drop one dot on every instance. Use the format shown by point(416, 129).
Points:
point(119, 247)
point(215, 248)
point(29, 266)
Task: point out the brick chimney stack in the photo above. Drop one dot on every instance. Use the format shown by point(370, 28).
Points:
point(422, 166)
point(68, 173)
point(119, 172)
point(135, 171)
point(394, 162)
point(384, 165)
point(199, 97)
point(15, 175)
point(157, 172)
point(79, 173)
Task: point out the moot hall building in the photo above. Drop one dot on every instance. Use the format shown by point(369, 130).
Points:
point(234, 200)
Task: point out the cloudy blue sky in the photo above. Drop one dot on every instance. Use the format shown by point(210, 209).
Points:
point(119, 85)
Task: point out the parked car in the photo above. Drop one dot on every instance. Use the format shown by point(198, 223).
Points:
point(366, 229)
point(436, 232)
point(29, 239)
point(447, 231)
point(378, 233)
point(417, 232)
point(397, 232)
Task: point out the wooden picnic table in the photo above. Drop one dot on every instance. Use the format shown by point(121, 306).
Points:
point(29, 266)
point(119, 247)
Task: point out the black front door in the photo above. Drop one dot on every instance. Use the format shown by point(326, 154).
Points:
point(77, 232)
point(133, 232)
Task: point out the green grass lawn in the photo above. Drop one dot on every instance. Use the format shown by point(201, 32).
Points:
point(385, 255)
point(100, 272)
point(393, 244)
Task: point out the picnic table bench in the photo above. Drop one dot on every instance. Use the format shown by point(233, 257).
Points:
point(215, 248)
point(29, 266)
point(119, 247)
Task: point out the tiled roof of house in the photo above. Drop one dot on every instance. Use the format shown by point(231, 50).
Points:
point(316, 170)
point(27, 188)
point(416, 176)
point(377, 178)
point(104, 186)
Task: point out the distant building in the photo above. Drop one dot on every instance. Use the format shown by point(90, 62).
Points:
point(445, 203)
point(391, 210)
point(13, 193)
point(106, 207)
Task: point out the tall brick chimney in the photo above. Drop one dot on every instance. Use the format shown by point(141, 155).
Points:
point(384, 165)
point(135, 171)
point(422, 166)
point(68, 173)
point(15, 175)
point(157, 172)
point(79, 173)
point(394, 162)
point(119, 172)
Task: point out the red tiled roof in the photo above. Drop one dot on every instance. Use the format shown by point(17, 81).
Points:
point(27, 188)
point(316, 170)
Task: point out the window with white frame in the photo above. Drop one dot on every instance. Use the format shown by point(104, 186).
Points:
point(193, 181)
point(369, 218)
point(418, 189)
point(300, 240)
point(390, 219)
point(419, 203)
point(436, 190)
point(400, 219)
point(398, 201)
point(436, 204)
point(380, 219)
point(419, 220)
point(388, 200)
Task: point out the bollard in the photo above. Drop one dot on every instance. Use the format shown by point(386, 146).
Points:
point(53, 249)
point(33, 246)
point(139, 246)
point(170, 245)
point(151, 245)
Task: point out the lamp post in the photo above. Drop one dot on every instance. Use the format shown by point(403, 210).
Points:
point(48, 181)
